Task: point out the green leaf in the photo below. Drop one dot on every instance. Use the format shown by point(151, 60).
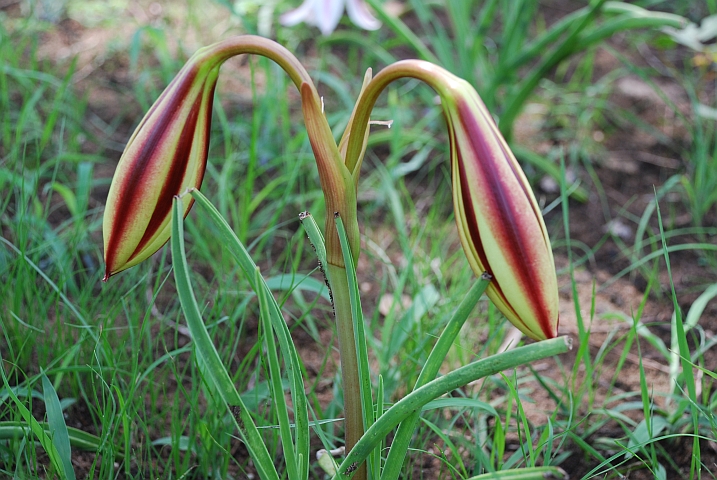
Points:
point(401, 441)
point(78, 438)
point(458, 402)
point(360, 336)
point(641, 435)
point(288, 282)
point(277, 388)
point(58, 428)
point(436, 388)
point(42, 436)
point(534, 473)
point(286, 345)
point(215, 372)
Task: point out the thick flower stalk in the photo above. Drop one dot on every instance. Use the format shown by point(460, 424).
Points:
point(499, 222)
point(167, 155)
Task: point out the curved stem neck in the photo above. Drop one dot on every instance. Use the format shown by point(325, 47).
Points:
point(252, 44)
point(418, 69)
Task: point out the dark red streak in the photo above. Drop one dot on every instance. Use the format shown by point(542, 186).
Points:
point(473, 230)
point(512, 238)
point(173, 182)
point(128, 199)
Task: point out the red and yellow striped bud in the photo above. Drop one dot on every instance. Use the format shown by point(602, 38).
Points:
point(165, 156)
point(499, 221)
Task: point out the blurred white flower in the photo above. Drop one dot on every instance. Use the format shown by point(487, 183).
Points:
point(325, 14)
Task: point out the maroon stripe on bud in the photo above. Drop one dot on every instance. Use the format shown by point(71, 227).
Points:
point(511, 237)
point(178, 171)
point(173, 182)
point(129, 202)
point(207, 130)
point(474, 232)
point(508, 156)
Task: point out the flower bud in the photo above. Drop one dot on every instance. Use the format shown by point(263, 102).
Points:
point(165, 156)
point(499, 221)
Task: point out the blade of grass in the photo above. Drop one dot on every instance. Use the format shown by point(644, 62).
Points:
point(689, 379)
point(534, 473)
point(286, 345)
point(90, 329)
point(403, 31)
point(360, 335)
point(446, 440)
point(78, 438)
point(401, 441)
point(514, 103)
point(380, 406)
point(277, 387)
point(527, 440)
point(58, 427)
point(583, 352)
point(42, 436)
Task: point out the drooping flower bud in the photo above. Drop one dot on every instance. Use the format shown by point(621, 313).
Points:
point(165, 156)
point(168, 151)
point(499, 222)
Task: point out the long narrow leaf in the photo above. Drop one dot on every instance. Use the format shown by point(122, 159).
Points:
point(434, 389)
point(360, 335)
point(277, 387)
point(286, 345)
point(78, 438)
point(401, 441)
point(678, 330)
point(42, 436)
point(214, 370)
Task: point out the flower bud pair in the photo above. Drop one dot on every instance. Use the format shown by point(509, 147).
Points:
point(499, 222)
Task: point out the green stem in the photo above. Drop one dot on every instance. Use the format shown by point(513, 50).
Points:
point(251, 44)
point(349, 360)
point(415, 400)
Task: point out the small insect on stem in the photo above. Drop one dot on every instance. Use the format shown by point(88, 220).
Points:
point(235, 410)
point(303, 216)
point(351, 469)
